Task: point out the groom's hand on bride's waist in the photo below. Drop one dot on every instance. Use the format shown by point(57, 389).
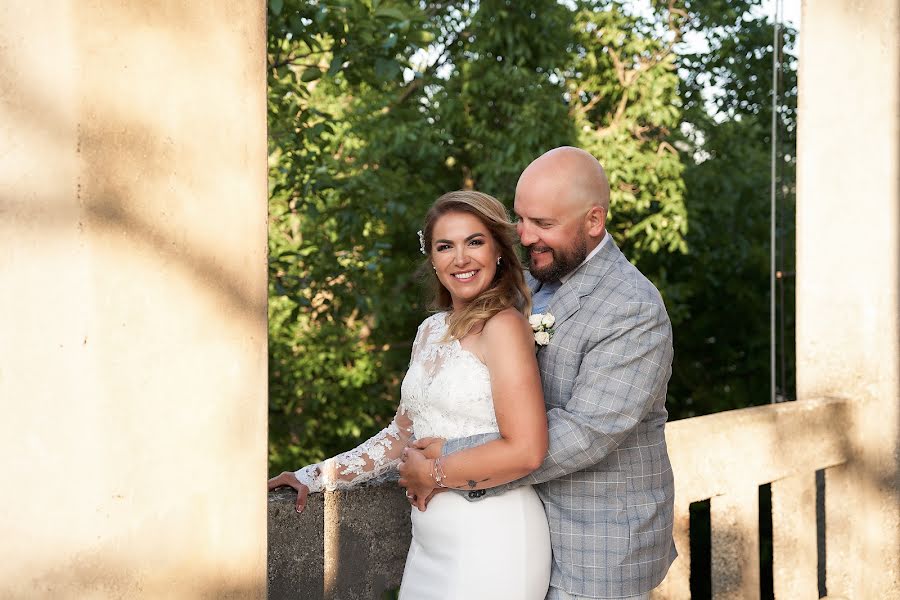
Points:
point(415, 476)
point(431, 446)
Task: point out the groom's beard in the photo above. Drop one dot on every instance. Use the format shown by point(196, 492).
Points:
point(564, 260)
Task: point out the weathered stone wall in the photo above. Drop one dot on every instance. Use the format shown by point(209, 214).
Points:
point(132, 299)
point(344, 546)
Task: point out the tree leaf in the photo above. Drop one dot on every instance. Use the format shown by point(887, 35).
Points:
point(390, 12)
point(310, 74)
point(386, 69)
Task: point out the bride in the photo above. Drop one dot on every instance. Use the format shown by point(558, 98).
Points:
point(473, 370)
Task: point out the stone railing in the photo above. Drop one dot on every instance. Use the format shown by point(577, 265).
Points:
point(352, 545)
point(725, 458)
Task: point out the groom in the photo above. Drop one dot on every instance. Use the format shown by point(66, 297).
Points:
point(606, 482)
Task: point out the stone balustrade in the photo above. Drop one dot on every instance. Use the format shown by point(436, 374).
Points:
point(352, 545)
point(725, 458)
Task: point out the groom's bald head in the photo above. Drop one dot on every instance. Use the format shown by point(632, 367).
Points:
point(570, 176)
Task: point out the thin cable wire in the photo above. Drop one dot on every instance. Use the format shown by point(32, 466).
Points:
point(776, 48)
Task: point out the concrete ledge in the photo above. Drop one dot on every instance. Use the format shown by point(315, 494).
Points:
point(715, 454)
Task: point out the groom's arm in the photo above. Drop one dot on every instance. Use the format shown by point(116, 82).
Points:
point(617, 383)
point(472, 441)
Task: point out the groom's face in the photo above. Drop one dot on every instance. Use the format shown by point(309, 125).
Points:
point(554, 238)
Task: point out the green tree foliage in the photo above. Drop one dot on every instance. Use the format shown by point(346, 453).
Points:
point(377, 108)
point(327, 378)
point(722, 325)
point(627, 108)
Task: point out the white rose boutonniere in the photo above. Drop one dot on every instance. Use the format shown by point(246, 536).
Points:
point(542, 325)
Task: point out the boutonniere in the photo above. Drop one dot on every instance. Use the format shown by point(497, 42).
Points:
point(542, 325)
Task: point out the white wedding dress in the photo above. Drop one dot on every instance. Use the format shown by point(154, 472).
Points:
point(497, 547)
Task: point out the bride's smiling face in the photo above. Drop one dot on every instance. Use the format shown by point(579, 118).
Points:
point(464, 255)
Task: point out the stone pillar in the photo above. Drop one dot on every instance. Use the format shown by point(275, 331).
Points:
point(132, 299)
point(848, 274)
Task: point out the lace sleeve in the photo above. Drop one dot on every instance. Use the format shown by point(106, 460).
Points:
point(372, 458)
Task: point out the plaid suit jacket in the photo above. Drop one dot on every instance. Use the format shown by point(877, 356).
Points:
point(606, 483)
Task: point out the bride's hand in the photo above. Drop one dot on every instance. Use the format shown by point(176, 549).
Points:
point(415, 476)
point(288, 479)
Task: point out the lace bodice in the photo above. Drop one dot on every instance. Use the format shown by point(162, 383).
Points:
point(446, 393)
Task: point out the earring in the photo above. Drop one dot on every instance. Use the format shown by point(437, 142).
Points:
point(498, 259)
point(434, 267)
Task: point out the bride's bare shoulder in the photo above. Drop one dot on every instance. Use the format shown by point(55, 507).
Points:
point(506, 326)
point(507, 341)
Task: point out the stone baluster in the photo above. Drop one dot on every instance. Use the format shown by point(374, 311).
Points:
point(734, 519)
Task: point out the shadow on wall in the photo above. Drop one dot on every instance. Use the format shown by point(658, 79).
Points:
point(132, 180)
point(142, 183)
point(102, 576)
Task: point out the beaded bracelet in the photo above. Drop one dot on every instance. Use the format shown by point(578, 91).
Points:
point(437, 473)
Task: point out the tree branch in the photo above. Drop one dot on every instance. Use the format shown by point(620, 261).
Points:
point(618, 66)
point(290, 59)
point(617, 117)
point(408, 91)
point(673, 25)
point(419, 82)
point(666, 147)
point(587, 106)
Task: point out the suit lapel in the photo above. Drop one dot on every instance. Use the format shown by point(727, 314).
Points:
point(564, 303)
point(567, 300)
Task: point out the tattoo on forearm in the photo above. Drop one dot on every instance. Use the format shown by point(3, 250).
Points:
point(473, 483)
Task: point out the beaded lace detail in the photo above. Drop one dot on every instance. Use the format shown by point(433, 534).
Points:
point(447, 389)
point(446, 393)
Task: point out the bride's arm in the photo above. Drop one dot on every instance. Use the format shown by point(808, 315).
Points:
point(367, 461)
point(507, 345)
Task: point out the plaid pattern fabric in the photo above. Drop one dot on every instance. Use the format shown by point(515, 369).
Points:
point(606, 483)
point(558, 594)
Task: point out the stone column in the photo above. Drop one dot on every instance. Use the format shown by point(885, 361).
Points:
point(132, 299)
point(848, 274)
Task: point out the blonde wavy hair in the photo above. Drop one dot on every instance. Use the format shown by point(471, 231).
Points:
point(508, 289)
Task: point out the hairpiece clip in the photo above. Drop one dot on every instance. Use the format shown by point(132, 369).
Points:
point(421, 242)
